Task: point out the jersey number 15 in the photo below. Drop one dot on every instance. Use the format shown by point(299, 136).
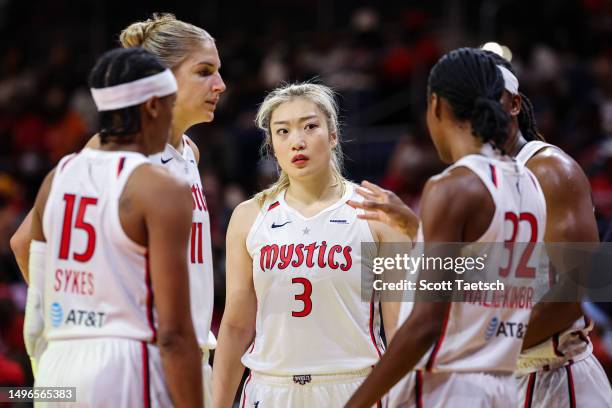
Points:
point(81, 224)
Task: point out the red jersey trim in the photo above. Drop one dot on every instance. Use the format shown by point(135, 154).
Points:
point(273, 206)
point(67, 161)
point(120, 165)
point(493, 174)
point(150, 319)
point(436, 349)
point(371, 325)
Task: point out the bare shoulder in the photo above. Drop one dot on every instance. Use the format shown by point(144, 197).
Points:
point(157, 189)
point(558, 172)
point(458, 186)
point(194, 147)
point(43, 192)
point(244, 216)
point(94, 142)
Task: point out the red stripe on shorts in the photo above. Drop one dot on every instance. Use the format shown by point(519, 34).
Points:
point(244, 392)
point(418, 393)
point(530, 388)
point(570, 386)
point(145, 375)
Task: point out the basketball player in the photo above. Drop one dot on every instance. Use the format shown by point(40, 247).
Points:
point(191, 54)
point(115, 227)
point(294, 313)
point(557, 367)
point(445, 341)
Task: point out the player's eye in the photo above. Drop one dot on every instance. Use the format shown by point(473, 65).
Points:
point(281, 131)
point(311, 126)
point(206, 72)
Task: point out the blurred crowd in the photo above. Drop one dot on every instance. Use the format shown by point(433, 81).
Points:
point(376, 59)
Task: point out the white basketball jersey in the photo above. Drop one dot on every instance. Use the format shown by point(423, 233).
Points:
point(307, 276)
point(199, 254)
point(97, 281)
point(484, 332)
point(573, 343)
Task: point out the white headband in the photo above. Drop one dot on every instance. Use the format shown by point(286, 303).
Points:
point(135, 92)
point(510, 81)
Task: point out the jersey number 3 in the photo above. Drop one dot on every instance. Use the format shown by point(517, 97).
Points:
point(80, 223)
point(304, 297)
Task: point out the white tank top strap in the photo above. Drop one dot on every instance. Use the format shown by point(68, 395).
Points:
point(125, 166)
point(46, 220)
point(486, 171)
point(530, 149)
point(269, 204)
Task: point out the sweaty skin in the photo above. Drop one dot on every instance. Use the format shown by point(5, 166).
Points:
point(570, 218)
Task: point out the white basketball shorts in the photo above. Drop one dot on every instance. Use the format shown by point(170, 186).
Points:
point(301, 391)
point(578, 384)
point(442, 390)
point(107, 372)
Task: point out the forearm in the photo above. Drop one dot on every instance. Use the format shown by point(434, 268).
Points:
point(410, 343)
point(20, 245)
point(549, 318)
point(182, 363)
point(228, 369)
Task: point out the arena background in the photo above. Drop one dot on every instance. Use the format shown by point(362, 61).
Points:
point(375, 54)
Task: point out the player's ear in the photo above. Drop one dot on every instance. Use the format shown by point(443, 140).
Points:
point(152, 107)
point(515, 108)
point(436, 107)
point(333, 139)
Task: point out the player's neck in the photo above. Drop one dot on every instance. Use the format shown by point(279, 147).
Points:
point(516, 144)
point(316, 189)
point(464, 144)
point(176, 135)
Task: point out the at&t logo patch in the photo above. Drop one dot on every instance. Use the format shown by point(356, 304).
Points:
point(57, 314)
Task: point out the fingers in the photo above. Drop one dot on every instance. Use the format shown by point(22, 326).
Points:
point(370, 215)
point(365, 193)
point(356, 204)
point(373, 187)
point(367, 205)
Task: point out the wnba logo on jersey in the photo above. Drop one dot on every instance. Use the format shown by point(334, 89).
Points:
point(334, 257)
point(197, 197)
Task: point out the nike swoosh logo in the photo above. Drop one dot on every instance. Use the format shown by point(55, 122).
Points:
point(166, 161)
point(279, 225)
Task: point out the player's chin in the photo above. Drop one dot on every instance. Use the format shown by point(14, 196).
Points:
point(206, 116)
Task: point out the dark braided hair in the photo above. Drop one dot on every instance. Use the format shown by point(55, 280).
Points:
point(526, 118)
point(114, 68)
point(473, 85)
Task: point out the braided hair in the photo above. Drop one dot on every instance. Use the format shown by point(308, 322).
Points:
point(473, 85)
point(114, 68)
point(526, 117)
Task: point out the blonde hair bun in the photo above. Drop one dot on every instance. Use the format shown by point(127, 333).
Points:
point(137, 33)
point(169, 39)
